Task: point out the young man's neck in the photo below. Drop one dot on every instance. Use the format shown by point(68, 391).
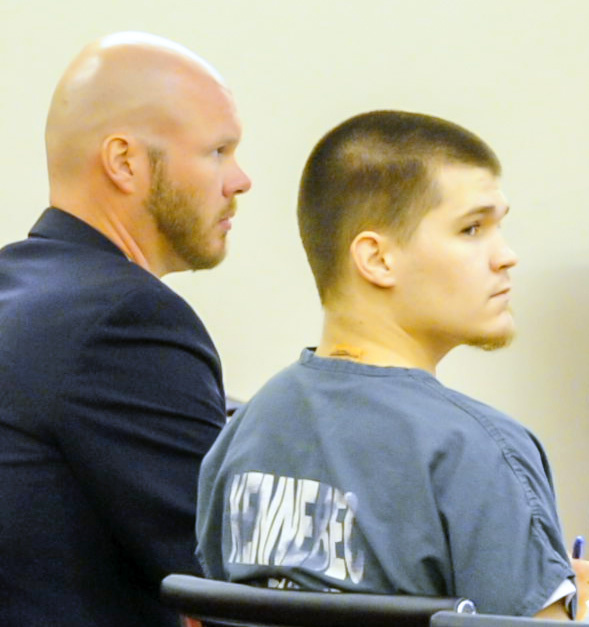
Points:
point(371, 341)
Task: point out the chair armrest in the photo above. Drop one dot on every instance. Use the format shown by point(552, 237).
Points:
point(220, 600)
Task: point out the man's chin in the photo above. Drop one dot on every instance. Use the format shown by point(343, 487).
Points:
point(493, 342)
point(202, 262)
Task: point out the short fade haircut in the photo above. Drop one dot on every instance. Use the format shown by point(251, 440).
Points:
point(376, 171)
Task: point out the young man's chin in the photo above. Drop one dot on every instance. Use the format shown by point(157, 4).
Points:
point(493, 342)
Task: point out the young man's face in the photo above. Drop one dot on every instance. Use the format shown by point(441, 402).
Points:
point(453, 284)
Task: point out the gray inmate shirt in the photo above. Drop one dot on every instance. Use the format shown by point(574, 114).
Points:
point(344, 476)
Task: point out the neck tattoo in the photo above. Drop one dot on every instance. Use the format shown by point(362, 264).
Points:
point(351, 352)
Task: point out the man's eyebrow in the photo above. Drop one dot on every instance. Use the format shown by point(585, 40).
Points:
point(486, 210)
point(226, 140)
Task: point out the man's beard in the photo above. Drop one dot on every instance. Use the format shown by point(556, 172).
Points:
point(178, 212)
point(492, 343)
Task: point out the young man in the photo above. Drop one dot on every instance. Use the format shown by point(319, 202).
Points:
point(355, 468)
point(111, 386)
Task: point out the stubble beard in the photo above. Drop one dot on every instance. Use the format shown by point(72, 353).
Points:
point(178, 214)
point(493, 342)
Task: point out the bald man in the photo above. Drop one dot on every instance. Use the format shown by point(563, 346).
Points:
point(111, 386)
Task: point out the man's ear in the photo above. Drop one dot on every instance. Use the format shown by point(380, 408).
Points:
point(120, 160)
point(373, 257)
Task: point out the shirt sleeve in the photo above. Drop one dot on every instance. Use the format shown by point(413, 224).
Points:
point(141, 406)
point(498, 507)
point(566, 590)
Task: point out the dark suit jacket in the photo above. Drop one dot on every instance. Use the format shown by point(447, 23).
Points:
point(110, 395)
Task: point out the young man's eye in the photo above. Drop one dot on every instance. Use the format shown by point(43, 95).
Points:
point(472, 229)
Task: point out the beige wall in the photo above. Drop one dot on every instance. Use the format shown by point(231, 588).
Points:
point(515, 71)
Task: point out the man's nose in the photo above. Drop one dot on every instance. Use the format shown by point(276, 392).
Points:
point(239, 183)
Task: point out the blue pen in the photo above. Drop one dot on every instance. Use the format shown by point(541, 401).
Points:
point(578, 547)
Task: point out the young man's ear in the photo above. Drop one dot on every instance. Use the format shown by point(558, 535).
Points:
point(373, 257)
point(121, 162)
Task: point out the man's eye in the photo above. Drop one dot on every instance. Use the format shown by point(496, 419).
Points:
point(473, 229)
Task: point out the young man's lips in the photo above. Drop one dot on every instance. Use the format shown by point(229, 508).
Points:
point(503, 292)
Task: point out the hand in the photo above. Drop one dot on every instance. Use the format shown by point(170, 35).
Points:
point(581, 568)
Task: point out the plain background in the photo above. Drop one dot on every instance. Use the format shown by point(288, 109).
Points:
point(513, 71)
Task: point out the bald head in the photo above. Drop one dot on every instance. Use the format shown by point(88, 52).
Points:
point(126, 82)
point(141, 140)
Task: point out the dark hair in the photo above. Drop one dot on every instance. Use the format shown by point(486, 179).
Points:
point(376, 171)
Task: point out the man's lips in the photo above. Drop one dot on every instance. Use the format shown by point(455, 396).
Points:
point(226, 223)
point(225, 220)
point(504, 291)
